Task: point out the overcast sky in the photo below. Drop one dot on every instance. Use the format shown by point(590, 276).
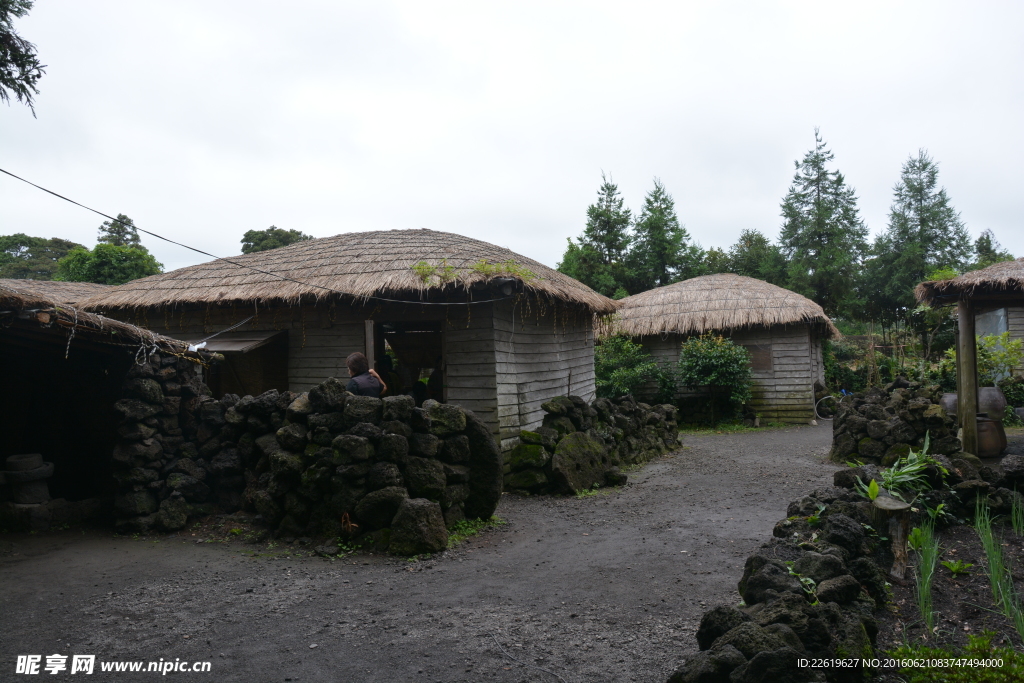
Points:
point(495, 120)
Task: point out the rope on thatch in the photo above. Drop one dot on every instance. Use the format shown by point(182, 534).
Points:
point(17, 304)
point(710, 303)
point(1004, 277)
point(362, 265)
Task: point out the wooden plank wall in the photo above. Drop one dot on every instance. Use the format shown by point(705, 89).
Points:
point(471, 380)
point(783, 393)
point(539, 355)
point(1015, 321)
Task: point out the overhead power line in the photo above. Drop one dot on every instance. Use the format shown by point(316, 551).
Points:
point(243, 265)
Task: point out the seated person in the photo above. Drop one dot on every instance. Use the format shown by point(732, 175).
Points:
point(365, 381)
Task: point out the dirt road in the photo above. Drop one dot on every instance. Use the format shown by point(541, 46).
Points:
point(604, 588)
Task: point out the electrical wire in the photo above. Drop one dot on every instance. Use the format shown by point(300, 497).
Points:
point(253, 268)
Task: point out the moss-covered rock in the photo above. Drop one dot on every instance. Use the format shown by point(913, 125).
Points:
point(578, 462)
point(418, 528)
point(528, 455)
point(446, 419)
point(531, 479)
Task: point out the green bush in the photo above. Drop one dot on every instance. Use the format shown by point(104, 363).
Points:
point(715, 363)
point(107, 264)
point(978, 647)
point(838, 371)
point(622, 366)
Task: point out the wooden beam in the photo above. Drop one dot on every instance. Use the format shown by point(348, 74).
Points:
point(967, 378)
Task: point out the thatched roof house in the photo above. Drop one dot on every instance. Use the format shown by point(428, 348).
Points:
point(508, 332)
point(989, 301)
point(781, 329)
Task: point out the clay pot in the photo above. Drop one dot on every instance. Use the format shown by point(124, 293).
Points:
point(992, 402)
point(991, 438)
point(949, 403)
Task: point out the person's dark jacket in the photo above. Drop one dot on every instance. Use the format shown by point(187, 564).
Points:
point(364, 385)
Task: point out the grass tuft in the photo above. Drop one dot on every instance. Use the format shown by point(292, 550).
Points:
point(927, 557)
point(468, 528)
point(1003, 595)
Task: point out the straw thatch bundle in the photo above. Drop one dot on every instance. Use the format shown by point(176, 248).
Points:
point(999, 278)
point(22, 305)
point(357, 265)
point(709, 303)
point(52, 290)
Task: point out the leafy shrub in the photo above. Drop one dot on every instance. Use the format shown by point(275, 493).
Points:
point(998, 356)
point(839, 374)
point(978, 647)
point(717, 364)
point(622, 366)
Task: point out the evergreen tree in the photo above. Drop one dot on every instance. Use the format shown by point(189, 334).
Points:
point(271, 238)
point(755, 256)
point(20, 68)
point(661, 252)
point(121, 233)
point(924, 234)
point(597, 258)
point(822, 235)
point(988, 251)
point(717, 260)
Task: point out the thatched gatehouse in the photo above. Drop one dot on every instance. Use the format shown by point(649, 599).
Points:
point(780, 329)
point(988, 301)
point(507, 332)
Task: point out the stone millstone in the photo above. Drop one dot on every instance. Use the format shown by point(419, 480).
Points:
point(578, 462)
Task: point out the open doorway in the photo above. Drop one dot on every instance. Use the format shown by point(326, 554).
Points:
point(416, 353)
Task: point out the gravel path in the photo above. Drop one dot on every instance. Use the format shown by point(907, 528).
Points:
point(604, 588)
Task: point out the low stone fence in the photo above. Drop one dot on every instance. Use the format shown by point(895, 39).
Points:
point(322, 464)
point(581, 445)
point(880, 425)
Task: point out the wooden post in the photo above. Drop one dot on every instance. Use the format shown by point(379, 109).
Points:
point(967, 378)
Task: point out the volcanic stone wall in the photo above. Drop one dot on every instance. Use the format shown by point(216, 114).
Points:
point(581, 445)
point(880, 425)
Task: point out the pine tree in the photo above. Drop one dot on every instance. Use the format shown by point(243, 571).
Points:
point(988, 251)
point(924, 234)
point(20, 68)
point(822, 235)
point(662, 252)
point(120, 233)
point(597, 258)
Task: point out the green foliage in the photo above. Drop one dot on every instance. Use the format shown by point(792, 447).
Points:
point(598, 257)
point(507, 268)
point(443, 273)
point(621, 366)
point(1017, 515)
point(988, 251)
point(717, 363)
point(753, 255)
point(838, 372)
point(467, 528)
point(20, 68)
point(1013, 390)
point(925, 233)
point(869, 490)
point(661, 251)
point(107, 264)
point(807, 583)
point(978, 647)
point(998, 355)
point(32, 258)
point(822, 235)
point(999, 576)
point(271, 238)
point(927, 550)
point(957, 567)
point(120, 232)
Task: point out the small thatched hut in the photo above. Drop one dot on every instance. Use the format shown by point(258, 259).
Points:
point(989, 301)
point(63, 371)
point(782, 331)
point(502, 332)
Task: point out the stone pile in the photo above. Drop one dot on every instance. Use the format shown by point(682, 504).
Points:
point(812, 591)
point(880, 425)
point(580, 445)
point(163, 459)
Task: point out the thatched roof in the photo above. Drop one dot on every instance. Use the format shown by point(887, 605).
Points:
point(51, 290)
point(24, 309)
point(356, 264)
point(713, 303)
point(1006, 278)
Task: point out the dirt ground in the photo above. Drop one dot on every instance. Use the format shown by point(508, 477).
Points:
point(608, 587)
